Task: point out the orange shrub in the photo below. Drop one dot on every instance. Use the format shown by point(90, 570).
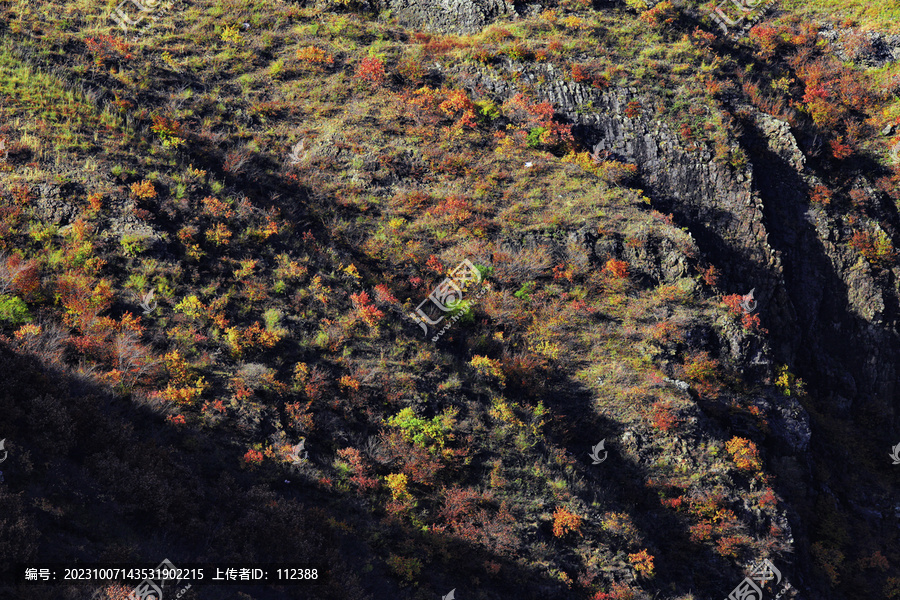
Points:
point(253, 457)
point(744, 453)
point(565, 522)
point(143, 190)
point(663, 13)
point(616, 268)
point(642, 563)
point(313, 56)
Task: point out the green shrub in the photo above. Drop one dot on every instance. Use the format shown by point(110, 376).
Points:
point(425, 433)
point(134, 244)
point(13, 310)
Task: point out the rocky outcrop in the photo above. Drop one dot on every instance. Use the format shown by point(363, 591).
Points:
point(823, 305)
point(869, 48)
point(448, 16)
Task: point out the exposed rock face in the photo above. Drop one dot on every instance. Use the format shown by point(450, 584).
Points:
point(818, 298)
point(448, 16)
point(869, 48)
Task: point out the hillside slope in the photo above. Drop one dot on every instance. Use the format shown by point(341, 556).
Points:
point(219, 223)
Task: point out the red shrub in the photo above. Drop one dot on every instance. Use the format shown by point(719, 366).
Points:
point(839, 149)
point(733, 302)
point(663, 418)
point(820, 195)
point(371, 70)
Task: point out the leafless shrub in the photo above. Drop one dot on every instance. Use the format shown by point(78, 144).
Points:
point(236, 162)
point(9, 270)
point(48, 343)
point(132, 358)
point(522, 265)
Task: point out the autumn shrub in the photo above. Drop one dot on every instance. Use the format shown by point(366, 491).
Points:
point(767, 39)
point(360, 474)
point(371, 70)
point(538, 120)
point(701, 532)
point(618, 591)
point(253, 457)
point(565, 522)
point(702, 370)
point(643, 564)
point(407, 569)
point(619, 524)
point(663, 418)
point(365, 310)
point(108, 50)
point(830, 560)
point(611, 171)
point(169, 131)
point(143, 190)
point(417, 463)
point(788, 383)
point(313, 56)
point(820, 194)
point(663, 13)
point(589, 74)
point(840, 149)
point(488, 368)
point(240, 340)
point(616, 268)
point(731, 545)
point(877, 248)
point(184, 387)
point(744, 453)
